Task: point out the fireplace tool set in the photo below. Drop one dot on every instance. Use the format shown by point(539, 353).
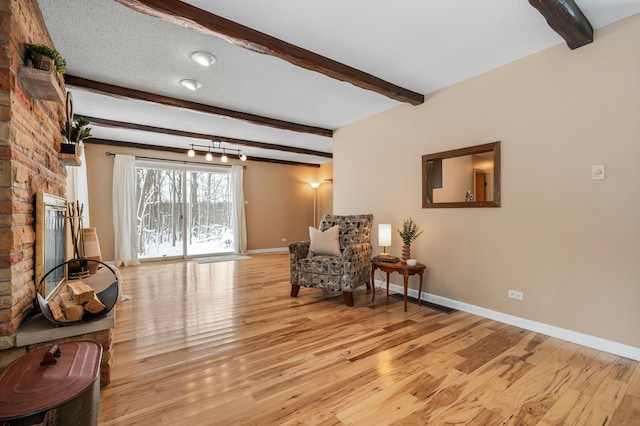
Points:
point(78, 268)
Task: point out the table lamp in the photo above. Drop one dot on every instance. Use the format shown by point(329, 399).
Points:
point(384, 237)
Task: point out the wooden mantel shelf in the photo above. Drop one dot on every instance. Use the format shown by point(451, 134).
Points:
point(70, 159)
point(41, 84)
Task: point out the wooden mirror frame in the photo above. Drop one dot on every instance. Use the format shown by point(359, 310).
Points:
point(478, 149)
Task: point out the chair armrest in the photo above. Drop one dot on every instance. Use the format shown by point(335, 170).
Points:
point(357, 256)
point(298, 250)
point(357, 249)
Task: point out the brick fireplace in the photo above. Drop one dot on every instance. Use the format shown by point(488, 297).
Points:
point(29, 144)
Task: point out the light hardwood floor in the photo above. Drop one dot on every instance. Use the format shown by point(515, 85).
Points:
point(225, 344)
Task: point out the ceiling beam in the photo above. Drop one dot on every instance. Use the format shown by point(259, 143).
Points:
point(98, 141)
point(262, 145)
point(188, 16)
point(566, 18)
point(110, 89)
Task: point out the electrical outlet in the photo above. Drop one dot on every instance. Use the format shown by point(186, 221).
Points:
point(284, 240)
point(515, 294)
point(597, 172)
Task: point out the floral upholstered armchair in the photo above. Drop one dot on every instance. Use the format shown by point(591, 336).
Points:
point(342, 268)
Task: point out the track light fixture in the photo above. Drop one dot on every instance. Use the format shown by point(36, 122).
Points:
point(215, 145)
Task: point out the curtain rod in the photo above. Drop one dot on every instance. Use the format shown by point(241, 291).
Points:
point(139, 157)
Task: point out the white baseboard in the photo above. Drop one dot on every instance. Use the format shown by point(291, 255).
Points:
point(268, 250)
point(550, 330)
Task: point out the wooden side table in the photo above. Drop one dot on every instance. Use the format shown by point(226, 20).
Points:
point(403, 269)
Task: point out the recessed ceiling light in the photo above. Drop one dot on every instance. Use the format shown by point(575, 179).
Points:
point(203, 58)
point(190, 84)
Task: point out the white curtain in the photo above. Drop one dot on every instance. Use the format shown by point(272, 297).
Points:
point(77, 188)
point(124, 210)
point(239, 221)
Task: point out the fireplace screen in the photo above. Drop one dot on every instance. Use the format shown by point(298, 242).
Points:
point(51, 235)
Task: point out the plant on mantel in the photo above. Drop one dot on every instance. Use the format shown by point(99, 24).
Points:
point(410, 231)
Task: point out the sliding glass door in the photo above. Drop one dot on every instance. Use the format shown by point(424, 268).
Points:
point(210, 208)
point(183, 211)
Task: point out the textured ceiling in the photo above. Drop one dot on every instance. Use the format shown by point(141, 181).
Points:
point(422, 46)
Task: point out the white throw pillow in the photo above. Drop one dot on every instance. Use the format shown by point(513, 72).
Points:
point(325, 243)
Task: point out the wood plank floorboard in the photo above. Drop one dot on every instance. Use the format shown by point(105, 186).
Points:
point(224, 344)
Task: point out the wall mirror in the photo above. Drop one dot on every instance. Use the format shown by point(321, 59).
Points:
point(465, 177)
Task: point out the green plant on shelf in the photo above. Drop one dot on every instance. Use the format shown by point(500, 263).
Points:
point(50, 52)
point(76, 132)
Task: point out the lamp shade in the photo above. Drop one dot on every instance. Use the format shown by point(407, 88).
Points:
point(384, 235)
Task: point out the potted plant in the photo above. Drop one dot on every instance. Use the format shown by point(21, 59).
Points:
point(45, 58)
point(73, 135)
point(410, 231)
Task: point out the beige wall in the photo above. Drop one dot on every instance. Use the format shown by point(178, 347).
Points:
point(279, 208)
point(572, 245)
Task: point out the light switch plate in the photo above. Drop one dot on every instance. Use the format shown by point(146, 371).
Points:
point(597, 172)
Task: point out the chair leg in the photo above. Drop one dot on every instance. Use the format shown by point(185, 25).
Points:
point(348, 298)
point(294, 290)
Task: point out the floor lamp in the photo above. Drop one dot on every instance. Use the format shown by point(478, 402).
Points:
point(315, 186)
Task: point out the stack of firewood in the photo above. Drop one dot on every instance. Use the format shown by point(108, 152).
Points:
point(71, 305)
